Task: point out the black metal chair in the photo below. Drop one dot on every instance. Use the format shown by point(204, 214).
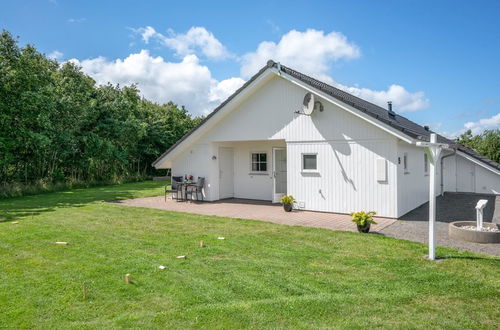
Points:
point(175, 188)
point(196, 188)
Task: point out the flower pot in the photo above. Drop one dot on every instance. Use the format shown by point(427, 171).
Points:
point(288, 207)
point(364, 229)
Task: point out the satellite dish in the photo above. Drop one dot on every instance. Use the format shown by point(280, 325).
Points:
point(308, 104)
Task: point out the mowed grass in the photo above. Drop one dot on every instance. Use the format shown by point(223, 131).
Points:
point(262, 275)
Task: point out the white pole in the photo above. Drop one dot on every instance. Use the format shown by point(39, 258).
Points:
point(480, 219)
point(432, 200)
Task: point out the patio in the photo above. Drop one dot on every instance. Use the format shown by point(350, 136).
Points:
point(257, 210)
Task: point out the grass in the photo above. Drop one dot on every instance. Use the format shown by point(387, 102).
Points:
point(18, 189)
point(262, 275)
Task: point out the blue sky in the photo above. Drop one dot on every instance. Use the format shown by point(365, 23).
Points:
point(440, 57)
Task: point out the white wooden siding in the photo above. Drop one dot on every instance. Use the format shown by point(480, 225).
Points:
point(348, 150)
point(450, 174)
point(346, 179)
point(270, 115)
point(248, 184)
point(486, 181)
point(471, 177)
point(413, 184)
point(196, 162)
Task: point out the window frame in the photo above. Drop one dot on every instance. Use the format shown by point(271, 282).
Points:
point(259, 162)
point(302, 162)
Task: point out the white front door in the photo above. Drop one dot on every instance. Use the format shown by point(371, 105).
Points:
point(226, 173)
point(279, 174)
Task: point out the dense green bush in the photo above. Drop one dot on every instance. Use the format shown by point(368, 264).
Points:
point(363, 218)
point(487, 143)
point(58, 127)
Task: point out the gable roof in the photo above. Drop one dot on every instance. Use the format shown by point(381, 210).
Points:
point(396, 121)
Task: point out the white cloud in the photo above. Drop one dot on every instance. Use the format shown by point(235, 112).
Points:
point(76, 20)
point(481, 125)
point(195, 40)
point(55, 55)
point(189, 83)
point(224, 89)
point(146, 33)
point(312, 52)
point(274, 27)
point(185, 83)
point(402, 100)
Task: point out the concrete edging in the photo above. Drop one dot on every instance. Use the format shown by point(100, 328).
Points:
point(456, 232)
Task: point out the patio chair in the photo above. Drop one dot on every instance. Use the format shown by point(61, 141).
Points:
point(175, 189)
point(196, 188)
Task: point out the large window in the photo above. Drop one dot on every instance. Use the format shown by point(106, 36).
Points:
point(309, 162)
point(259, 162)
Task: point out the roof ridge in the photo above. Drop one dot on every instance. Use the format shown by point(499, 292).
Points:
point(399, 122)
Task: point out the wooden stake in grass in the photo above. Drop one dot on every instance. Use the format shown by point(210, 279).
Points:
point(62, 243)
point(84, 290)
point(202, 244)
point(128, 280)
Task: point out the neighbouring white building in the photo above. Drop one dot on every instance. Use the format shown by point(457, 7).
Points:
point(346, 155)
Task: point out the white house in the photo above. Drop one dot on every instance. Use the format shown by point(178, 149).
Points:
point(347, 155)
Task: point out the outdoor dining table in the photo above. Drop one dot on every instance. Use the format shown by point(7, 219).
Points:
point(184, 185)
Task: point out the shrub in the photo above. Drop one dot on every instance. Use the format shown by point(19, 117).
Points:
point(287, 199)
point(363, 218)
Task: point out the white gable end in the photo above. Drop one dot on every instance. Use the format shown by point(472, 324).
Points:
point(270, 115)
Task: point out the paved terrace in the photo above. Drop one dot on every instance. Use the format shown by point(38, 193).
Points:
point(257, 210)
point(412, 226)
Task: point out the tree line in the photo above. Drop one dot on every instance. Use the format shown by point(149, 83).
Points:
point(486, 143)
point(57, 125)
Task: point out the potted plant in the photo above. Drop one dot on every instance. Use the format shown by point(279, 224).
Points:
point(363, 220)
point(287, 201)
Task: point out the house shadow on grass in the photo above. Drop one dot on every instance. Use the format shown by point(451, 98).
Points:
point(19, 207)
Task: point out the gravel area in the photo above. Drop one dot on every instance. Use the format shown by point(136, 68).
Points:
point(414, 226)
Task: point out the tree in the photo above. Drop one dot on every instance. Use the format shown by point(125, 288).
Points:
point(487, 143)
point(57, 125)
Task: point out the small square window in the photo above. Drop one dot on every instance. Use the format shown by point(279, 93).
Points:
point(309, 162)
point(258, 162)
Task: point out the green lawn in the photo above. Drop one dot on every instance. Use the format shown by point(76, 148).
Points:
point(262, 275)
